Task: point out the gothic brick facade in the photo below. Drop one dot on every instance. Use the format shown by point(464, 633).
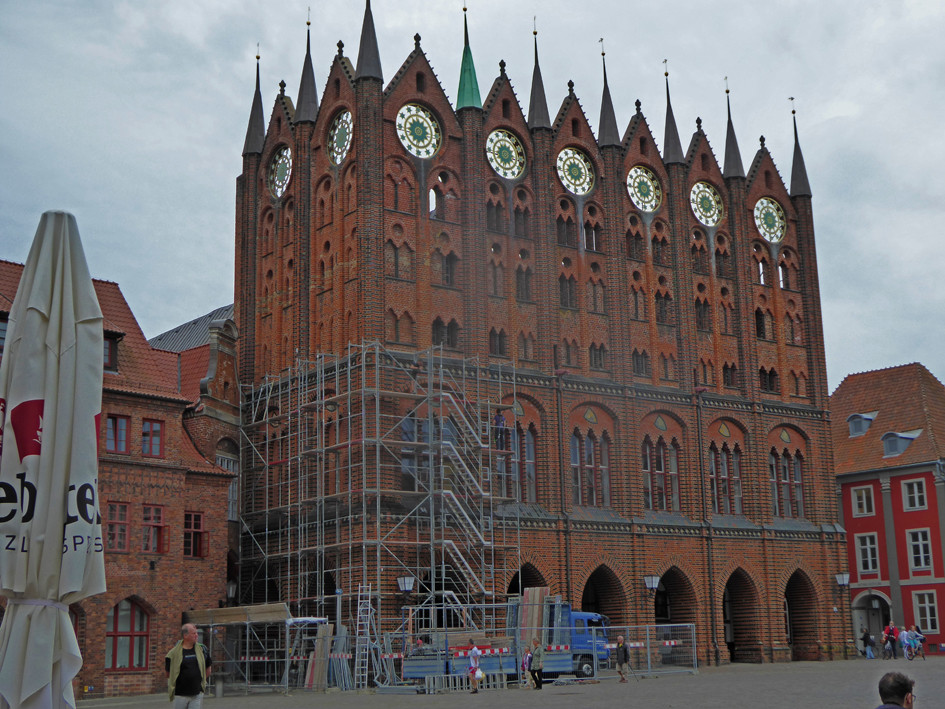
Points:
point(667, 352)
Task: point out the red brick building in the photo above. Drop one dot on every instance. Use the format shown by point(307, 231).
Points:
point(647, 322)
point(888, 428)
point(168, 420)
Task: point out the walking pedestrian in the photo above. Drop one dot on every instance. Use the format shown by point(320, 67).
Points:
point(538, 662)
point(187, 666)
point(623, 658)
point(867, 644)
point(474, 672)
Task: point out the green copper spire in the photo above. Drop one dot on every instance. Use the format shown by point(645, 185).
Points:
point(468, 96)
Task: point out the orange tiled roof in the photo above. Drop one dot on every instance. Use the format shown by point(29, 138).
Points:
point(905, 398)
point(141, 369)
point(193, 367)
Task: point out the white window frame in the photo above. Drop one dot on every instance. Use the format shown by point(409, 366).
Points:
point(855, 493)
point(927, 542)
point(920, 609)
point(860, 557)
point(906, 484)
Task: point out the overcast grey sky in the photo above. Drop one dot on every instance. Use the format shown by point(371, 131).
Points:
point(132, 116)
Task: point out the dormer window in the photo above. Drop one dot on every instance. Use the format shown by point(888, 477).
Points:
point(895, 443)
point(860, 423)
point(111, 353)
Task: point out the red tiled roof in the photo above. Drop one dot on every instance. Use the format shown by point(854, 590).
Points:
point(141, 369)
point(193, 367)
point(905, 398)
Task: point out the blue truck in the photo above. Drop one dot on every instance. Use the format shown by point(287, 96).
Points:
point(571, 640)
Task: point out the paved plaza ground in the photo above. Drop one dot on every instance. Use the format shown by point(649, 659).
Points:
point(837, 685)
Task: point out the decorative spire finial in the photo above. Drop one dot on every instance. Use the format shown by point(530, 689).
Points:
point(726, 86)
point(570, 87)
point(502, 67)
point(791, 99)
point(341, 48)
point(698, 123)
point(602, 52)
point(416, 41)
point(638, 104)
point(308, 22)
point(535, 25)
point(762, 141)
point(666, 67)
point(257, 51)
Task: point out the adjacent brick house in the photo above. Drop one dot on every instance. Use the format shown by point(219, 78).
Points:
point(650, 324)
point(889, 438)
point(166, 417)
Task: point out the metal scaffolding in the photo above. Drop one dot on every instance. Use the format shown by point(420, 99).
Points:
point(377, 466)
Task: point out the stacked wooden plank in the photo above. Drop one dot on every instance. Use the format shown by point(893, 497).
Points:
point(531, 618)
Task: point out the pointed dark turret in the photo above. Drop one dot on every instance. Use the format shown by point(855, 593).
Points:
point(672, 148)
point(609, 135)
point(307, 109)
point(537, 104)
point(255, 131)
point(369, 58)
point(468, 95)
point(800, 187)
point(733, 158)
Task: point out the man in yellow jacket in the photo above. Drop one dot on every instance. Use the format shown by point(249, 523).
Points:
point(188, 666)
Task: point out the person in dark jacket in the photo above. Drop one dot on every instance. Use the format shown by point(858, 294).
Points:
point(623, 658)
point(867, 644)
point(895, 690)
point(538, 662)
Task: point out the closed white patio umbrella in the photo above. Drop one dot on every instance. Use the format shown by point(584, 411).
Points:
point(51, 551)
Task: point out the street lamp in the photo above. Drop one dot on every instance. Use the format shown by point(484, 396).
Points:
point(231, 592)
point(843, 582)
point(652, 582)
point(405, 584)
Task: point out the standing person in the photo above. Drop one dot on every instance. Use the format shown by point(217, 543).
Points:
point(903, 638)
point(188, 667)
point(474, 654)
point(527, 667)
point(867, 644)
point(623, 658)
point(895, 691)
point(501, 432)
point(538, 662)
point(891, 632)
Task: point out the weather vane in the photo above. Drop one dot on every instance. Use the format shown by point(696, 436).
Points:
point(666, 67)
point(791, 99)
point(726, 84)
point(602, 52)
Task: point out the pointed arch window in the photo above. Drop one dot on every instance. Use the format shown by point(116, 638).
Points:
point(664, 309)
point(598, 303)
point(496, 279)
point(446, 335)
point(725, 475)
point(593, 236)
point(660, 463)
point(523, 285)
point(497, 343)
point(768, 380)
point(567, 288)
point(576, 497)
point(641, 363)
point(566, 231)
point(636, 249)
point(660, 251)
point(449, 271)
point(521, 222)
point(703, 315)
point(786, 472)
point(597, 357)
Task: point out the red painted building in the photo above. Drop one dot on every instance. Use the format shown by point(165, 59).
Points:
point(167, 460)
point(889, 443)
point(648, 318)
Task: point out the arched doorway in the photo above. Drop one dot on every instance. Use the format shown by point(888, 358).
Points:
point(526, 577)
point(870, 610)
point(674, 600)
point(603, 593)
point(800, 617)
point(740, 618)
